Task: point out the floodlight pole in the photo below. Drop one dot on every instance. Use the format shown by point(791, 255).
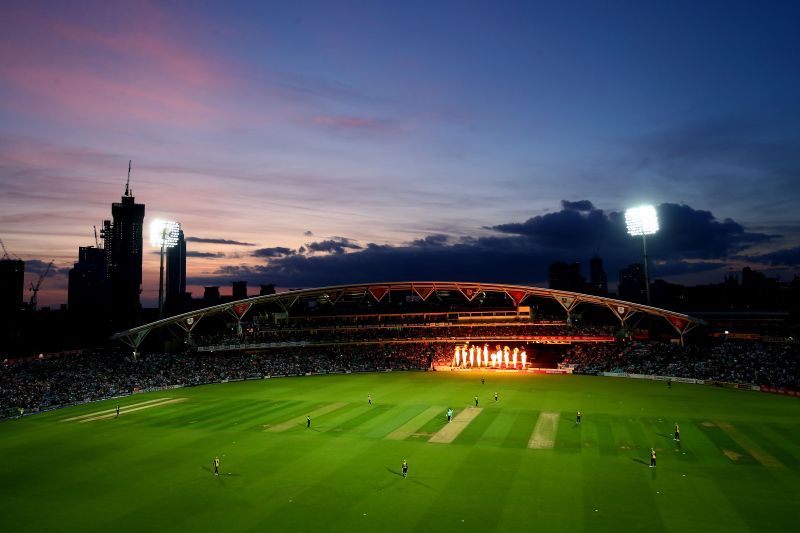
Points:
point(161, 276)
point(646, 273)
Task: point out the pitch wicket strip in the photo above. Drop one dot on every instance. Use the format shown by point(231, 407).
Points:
point(544, 433)
point(112, 410)
point(139, 408)
point(448, 434)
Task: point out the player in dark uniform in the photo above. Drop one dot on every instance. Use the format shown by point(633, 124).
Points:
point(652, 458)
point(578, 418)
point(476, 401)
point(449, 415)
point(495, 395)
point(369, 398)
point(677, 437)
point(308, 422)
point(117, 415)
point(216, 465)
point(669, 383)
point(483, 382)
point(405, 468)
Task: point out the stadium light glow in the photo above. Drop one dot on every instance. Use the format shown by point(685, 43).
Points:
point(641, 220)
point(164, 233)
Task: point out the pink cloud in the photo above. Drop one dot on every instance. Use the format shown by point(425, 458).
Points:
point(354, 124)
point(54, 68)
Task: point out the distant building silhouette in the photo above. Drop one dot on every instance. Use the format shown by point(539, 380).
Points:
point(566, 277)
point(631, 283)
point(239, 290)
point(87, 295)
point(598, 281)
point(211, 296)
point(123, 245)
point(12, 280)
point(175, 299)
point(267, 289)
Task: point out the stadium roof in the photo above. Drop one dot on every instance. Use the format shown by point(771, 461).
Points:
point(623, 310)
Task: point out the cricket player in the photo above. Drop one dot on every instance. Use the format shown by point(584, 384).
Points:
point(578, 418)
point(652, 458)
point(216, 465)
point(495, 395)
point(308, 422)
point(449, 415)
point(369, 398)
point(405, 468)
point(117, 415)
point(677, 437)
point(476, 401)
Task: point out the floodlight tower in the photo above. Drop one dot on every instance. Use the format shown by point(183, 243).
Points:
point(643, 220)
point(163, 233)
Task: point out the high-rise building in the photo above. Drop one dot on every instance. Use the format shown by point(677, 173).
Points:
point(566, 277)
point(87, 294)
point(123, 245)
point(598, 281)
point(239, 290)
point(12, 279)
point(176, 273)
point(631, 283)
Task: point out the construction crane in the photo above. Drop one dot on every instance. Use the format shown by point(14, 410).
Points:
point(6, 255)
point(35, 288)
point(96, 240)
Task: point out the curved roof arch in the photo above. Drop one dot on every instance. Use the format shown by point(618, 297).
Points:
point(623, 310)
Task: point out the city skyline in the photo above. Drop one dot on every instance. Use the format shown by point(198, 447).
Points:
point(302, 145)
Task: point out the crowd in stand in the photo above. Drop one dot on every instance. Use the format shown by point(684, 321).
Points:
point(776, 364)
point(38, 384)
point(34, 385)
point(255, 333)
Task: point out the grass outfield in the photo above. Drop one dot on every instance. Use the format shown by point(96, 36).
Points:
point(517, 464)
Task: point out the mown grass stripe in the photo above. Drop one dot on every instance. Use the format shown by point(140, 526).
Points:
point(356, 422)
point(725, 444)
point(301, 421)
point(475, 432)
point(569, 434)
point(405, 431)
point(771, 441)
point(519, 432)
point(748, 444)
point(383, 424)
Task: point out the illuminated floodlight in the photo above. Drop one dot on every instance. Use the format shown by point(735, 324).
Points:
point(641, 220)
point(164, 233)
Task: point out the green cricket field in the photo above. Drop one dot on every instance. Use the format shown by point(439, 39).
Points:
point(520, 463)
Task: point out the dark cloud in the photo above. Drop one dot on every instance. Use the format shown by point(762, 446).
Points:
point(580, 205)
point(208, 255)
point(691, 241)
point(218, 241)
point(276, 251)
point(430, 240)
point(336, 245)
point(308, 233)
point(38, 267)
point(785, 257)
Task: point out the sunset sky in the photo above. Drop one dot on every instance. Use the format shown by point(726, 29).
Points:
point(313, 143)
